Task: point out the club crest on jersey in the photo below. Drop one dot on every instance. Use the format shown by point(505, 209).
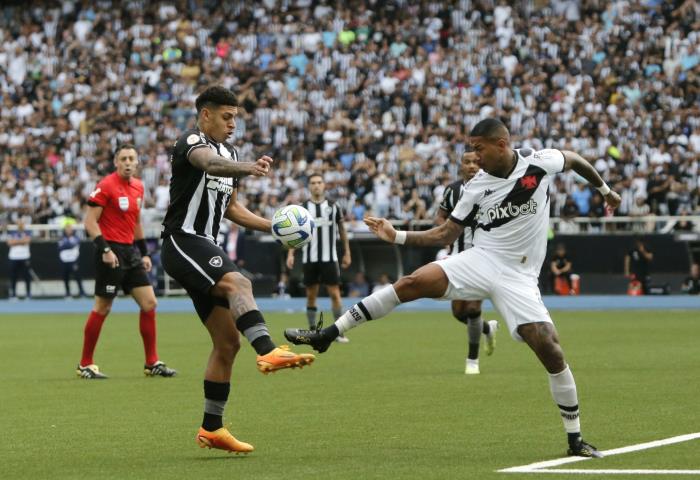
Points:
point(509, 210)
point(216, 262)
point(529, 182)
point(124, 203)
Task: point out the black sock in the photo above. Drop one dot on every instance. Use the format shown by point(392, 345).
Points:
point(263, 345)
point(212, 422)
point(473, 351)
point(574, 438)
point(252, 325)
point(215, 397)
point(331, 332)
point(486, 328)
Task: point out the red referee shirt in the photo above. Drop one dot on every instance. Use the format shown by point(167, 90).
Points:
point(120, 200)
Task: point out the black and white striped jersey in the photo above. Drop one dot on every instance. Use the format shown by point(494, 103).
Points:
point(449, 200)
point(322, 248)
point(198, 200)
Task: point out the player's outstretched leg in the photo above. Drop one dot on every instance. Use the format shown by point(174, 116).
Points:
point(543, 340)
point(337, 307)
point(428, 281)
point(250, 322)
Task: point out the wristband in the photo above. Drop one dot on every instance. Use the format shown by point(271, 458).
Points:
point(603, 189)
point(400, 237)
point(101, 244)
point(141, 245)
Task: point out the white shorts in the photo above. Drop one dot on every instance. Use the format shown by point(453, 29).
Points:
point(475, 274)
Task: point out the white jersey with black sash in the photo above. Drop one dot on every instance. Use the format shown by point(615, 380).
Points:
point(511, 215)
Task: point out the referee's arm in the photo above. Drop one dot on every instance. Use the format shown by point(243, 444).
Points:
point(240, 215)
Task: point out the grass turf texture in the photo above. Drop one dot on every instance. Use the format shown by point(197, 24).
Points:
point(394, 403)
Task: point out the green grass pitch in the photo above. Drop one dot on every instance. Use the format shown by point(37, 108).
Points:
point(392, 404)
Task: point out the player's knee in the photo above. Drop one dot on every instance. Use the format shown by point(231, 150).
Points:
point(102, 307)
point(149, 304)
point(408, 284)
point(334, 294)
point(226, 347)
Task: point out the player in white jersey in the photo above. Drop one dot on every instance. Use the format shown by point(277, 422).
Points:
point(509, 203)
point(467, 311)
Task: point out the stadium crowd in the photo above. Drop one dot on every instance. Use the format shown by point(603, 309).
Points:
point(379, 96)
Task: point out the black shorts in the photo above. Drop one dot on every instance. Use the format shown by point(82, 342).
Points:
point(326, 273)
point(197, 264)
point(128, 275)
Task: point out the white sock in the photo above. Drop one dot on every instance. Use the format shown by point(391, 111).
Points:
point(373, 307)
point(563, 389)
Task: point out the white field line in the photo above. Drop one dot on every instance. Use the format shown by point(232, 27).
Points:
point(540, 466)
point(618, 472)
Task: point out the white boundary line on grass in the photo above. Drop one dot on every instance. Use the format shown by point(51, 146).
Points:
point(544, 467)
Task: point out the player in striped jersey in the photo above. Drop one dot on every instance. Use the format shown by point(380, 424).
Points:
point(467, 311)
point(320, 256)
point(205, 172)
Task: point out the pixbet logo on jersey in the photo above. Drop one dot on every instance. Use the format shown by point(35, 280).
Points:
point(511, 211)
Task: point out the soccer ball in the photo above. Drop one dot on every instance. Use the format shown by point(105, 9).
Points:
point(292, 226)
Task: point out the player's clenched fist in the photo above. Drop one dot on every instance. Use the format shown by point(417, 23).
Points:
point(264, 165)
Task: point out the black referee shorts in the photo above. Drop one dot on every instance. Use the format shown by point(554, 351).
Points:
point(326, 273)
point(128, 275)
point(197, 264)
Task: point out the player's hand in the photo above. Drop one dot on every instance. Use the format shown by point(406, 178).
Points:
point(147, 264)
point(263, 166)
point(290, 259)
point(382, 228)
point(346, 261)
point(110, 259)
point(613, 200)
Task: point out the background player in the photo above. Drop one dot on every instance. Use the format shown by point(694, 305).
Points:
point(467, 311)
point(320, 256)
point(203, 189)
point(113, 221)
point(19, 255)
point(68, 253)
point(508, 200)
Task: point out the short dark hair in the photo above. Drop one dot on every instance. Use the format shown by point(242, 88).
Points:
point(125, 146)
point(315, 174)
point(215, 96)
point(489, 128)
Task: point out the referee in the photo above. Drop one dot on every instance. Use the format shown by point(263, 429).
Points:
point(320, 256)
point(113, 222)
